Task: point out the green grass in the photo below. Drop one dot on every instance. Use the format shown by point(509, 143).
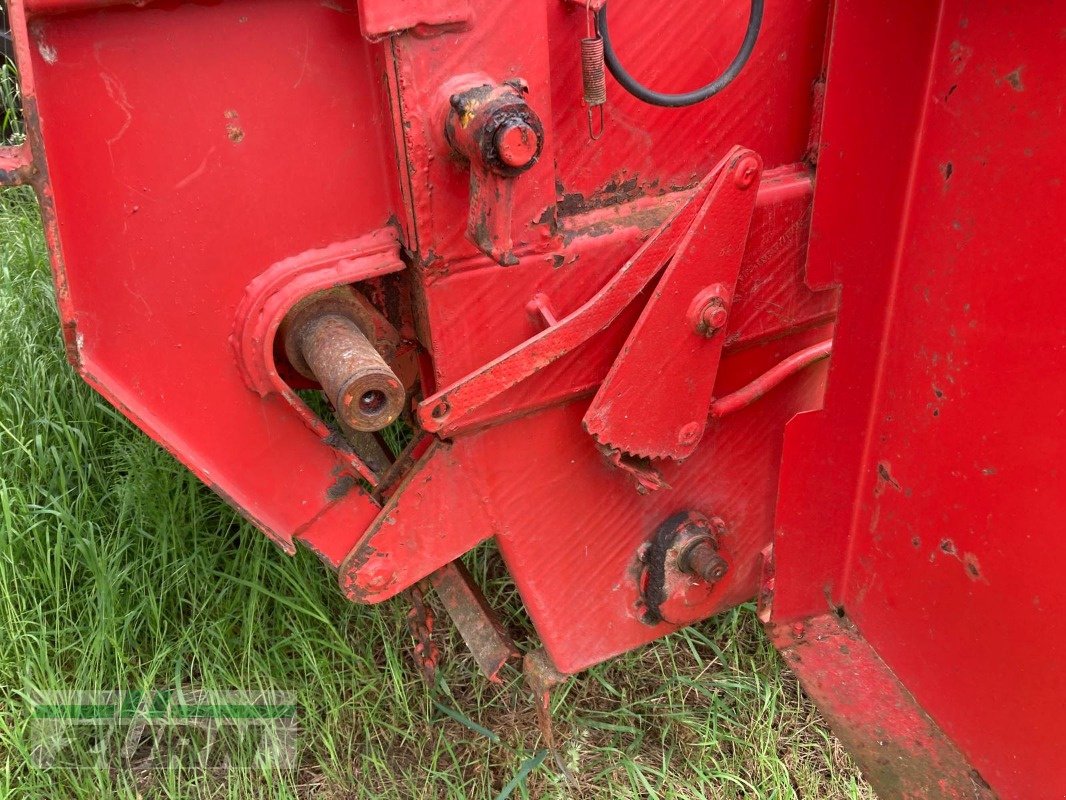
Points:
point(10, 120)
point(119, 570)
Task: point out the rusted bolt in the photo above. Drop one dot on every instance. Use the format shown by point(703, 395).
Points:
point(747, 169)
point(700, 558)
point(365, 392)
point(517, 143)
point(679, 570)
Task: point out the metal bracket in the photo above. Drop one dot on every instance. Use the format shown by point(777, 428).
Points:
point(446, 411)
point(496, 131)
point(481, 630)
point(655, 400)
point(381, 18)
point(405, 543)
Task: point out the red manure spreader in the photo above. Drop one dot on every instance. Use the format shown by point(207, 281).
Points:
point(795, 334)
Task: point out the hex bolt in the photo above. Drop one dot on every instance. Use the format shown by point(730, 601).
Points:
point(362, 388)
point(701, 559)
point(712, 316)
point(516, 143)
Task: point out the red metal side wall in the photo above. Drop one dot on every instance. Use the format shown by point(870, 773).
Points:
point(952, 518)
point(191, 146)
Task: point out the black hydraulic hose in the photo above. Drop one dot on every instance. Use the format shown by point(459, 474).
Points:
point(642, 92)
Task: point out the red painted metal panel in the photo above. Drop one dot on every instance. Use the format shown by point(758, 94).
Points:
point(204, 167)
point(570, 525)
point(214, 164)
point(959, 521)
point(901, 750)
point(147, 157)
point(859, 139)
point(675, 46)
point(942, 443)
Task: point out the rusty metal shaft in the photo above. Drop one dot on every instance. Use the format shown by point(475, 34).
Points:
point(701, 558)
point(362, 388)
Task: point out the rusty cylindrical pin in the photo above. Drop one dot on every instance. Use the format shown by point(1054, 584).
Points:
point(701, 558)
point(362, 388)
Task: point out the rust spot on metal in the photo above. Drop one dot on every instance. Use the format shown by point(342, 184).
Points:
point(900, 749)
point(1013, 79)
point(71, 344)
point(615, 192)
point(640, 219)
point(356, 585)
point(548, 217)
point(341, 487)
point(884, 478)
point(969, 561)
point(420, 621)
point(234, 132)
point(541, 677)
point(973, 568)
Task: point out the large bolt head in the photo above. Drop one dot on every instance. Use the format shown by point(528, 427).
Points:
point(517, 144)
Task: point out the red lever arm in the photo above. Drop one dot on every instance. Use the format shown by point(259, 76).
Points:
point(445, 412)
